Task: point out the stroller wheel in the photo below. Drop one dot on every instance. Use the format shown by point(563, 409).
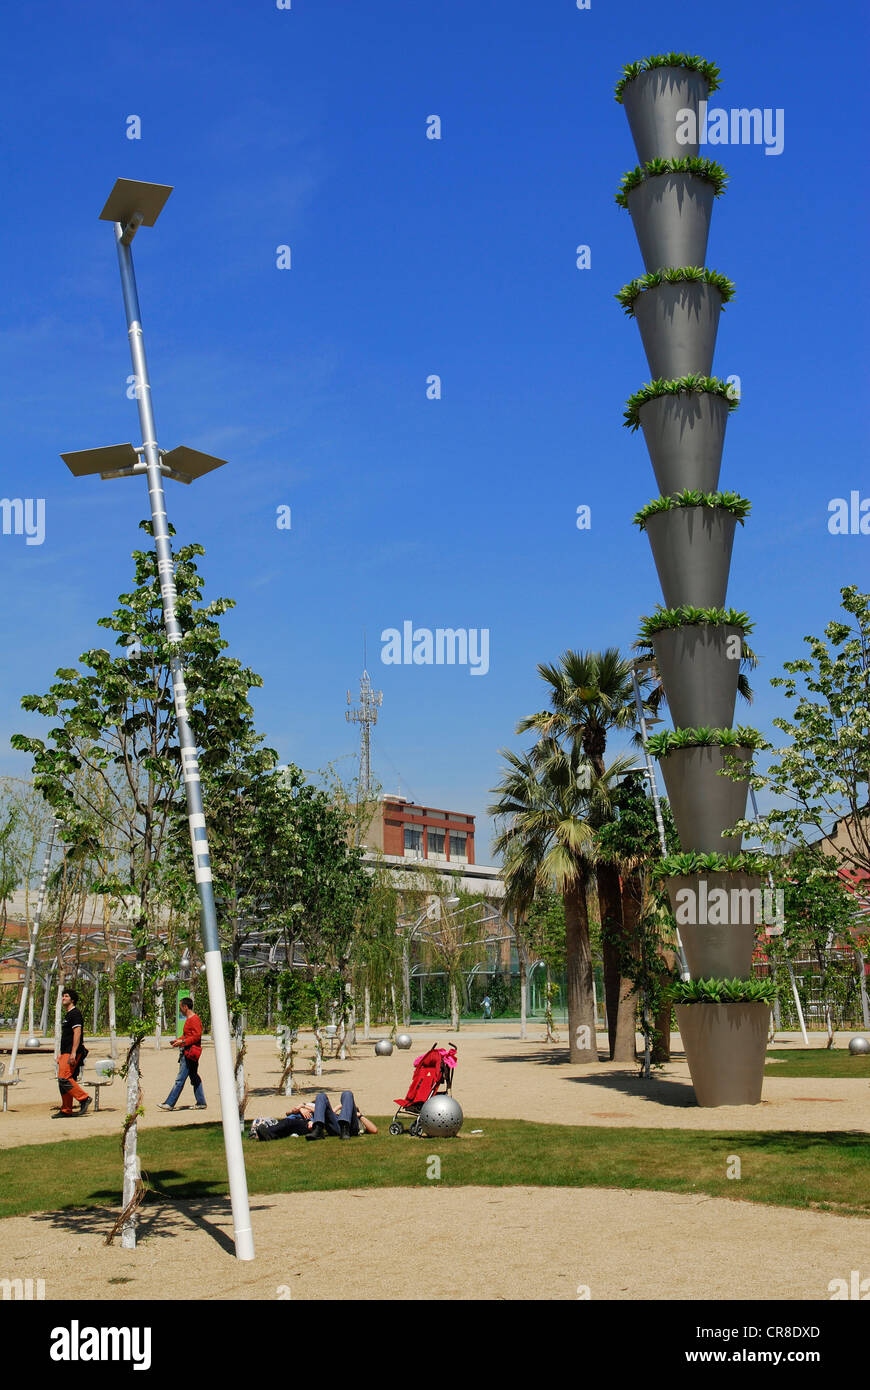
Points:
point(416, 1129)
point(396, 1128)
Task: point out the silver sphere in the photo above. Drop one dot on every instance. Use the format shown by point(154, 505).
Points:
point(403, 1041)
point(441, 1117)
point(857, 1046)
point(383, 1047)
point(32, 1042)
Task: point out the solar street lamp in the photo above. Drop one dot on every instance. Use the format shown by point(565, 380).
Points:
point(132, 205)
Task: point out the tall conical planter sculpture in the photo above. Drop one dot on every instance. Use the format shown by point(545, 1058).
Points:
point(678, 325)
point(691, 527)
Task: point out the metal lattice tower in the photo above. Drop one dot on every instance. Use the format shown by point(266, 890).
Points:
point(366, 715)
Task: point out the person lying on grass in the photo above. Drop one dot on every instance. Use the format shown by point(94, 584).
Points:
point(317, 1120)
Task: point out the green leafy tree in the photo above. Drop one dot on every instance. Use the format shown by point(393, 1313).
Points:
point(544, 933)
point(591, 694)
point(819, 920)
point(824, 770)
point(630, 843)
point(544, 806)
point(116, 731)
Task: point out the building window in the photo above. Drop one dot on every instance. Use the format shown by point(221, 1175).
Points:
point(457, 843)
point(436, 841)
point(413, 839)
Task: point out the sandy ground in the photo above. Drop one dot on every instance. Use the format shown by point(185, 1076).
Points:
point(509, 1243)
point(451, 1243)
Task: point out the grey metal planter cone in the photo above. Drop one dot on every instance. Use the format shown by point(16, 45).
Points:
point(671, 215)
point(685, 435)
point(725, 1047)
point(651, 103)
point(699, 676)
point(692, 547)
point(704, 804)
point(678, 325)
point(720, 950)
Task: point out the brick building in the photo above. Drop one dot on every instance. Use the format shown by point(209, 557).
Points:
point(404, 830)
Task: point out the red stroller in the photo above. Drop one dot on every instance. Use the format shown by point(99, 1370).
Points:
point(433, 1071)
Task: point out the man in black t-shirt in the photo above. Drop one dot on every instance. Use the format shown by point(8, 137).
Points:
point(72, 1054)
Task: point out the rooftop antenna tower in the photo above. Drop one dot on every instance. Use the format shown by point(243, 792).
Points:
point(366, 715)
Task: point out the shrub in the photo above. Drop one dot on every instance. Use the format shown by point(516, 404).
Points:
point(668, 60)
point(687, 616)
point(687, 274)
point(661, 744)
point(690, 497)
point(694, 382)
point(753, 991)
point(706, 169)
point(690, 862)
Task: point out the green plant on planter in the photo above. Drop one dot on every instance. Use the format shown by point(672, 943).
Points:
point(690, 497)
point(690, 862)
point(661, 744)
point(753, 991)
point(713, 385)
point(687, 274)
point(706, 169)
point(669, 60)
point(687, 616)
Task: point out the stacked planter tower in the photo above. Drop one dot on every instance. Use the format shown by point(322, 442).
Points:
point(698, 644)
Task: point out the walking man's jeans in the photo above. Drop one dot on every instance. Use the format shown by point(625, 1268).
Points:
point(68, 1086)
point(187, 1071)
point(324, 1113)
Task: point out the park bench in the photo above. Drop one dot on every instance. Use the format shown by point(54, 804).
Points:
point(6, 1082)
point(104, 1076)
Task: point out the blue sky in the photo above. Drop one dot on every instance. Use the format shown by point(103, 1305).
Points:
point(410, 257)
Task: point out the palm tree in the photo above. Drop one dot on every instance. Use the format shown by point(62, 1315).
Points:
point(544, 803)
point(590, 694)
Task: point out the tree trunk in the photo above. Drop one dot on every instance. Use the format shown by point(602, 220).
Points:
point(131, 1157)
point(454, 1006)
point(618, 989)
point(624, 1045)
point(113, 1020)
point(158, 1021)
point(548, 1006)
point(661, 1051)
point(239, 1040)
point(523, 986)
point(318, 1043)
point(57, 1007)
point(367, 1010)
point(578, 966)
point(46, 996)
point(395, 1028)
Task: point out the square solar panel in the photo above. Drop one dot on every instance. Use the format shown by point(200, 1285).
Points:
point(129, 196)
point(185, 464)
point(111, 459)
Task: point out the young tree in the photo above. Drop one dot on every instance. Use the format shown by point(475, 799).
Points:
point(116, 725)
point(820, 914)
point(543, 931)
point(824, 771)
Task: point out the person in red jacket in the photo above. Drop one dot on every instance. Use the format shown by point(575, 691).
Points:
point(190, 1044)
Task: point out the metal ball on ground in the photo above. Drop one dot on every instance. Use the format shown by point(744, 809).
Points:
point(383, 1047)
point(858, 1046)
point(441, 1117)
point(403, 1041)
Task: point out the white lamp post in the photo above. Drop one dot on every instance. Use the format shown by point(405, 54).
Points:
point(131, 205)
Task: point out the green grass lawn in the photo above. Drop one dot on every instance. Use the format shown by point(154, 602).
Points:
point(828, 1171)
point(818, 1061)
